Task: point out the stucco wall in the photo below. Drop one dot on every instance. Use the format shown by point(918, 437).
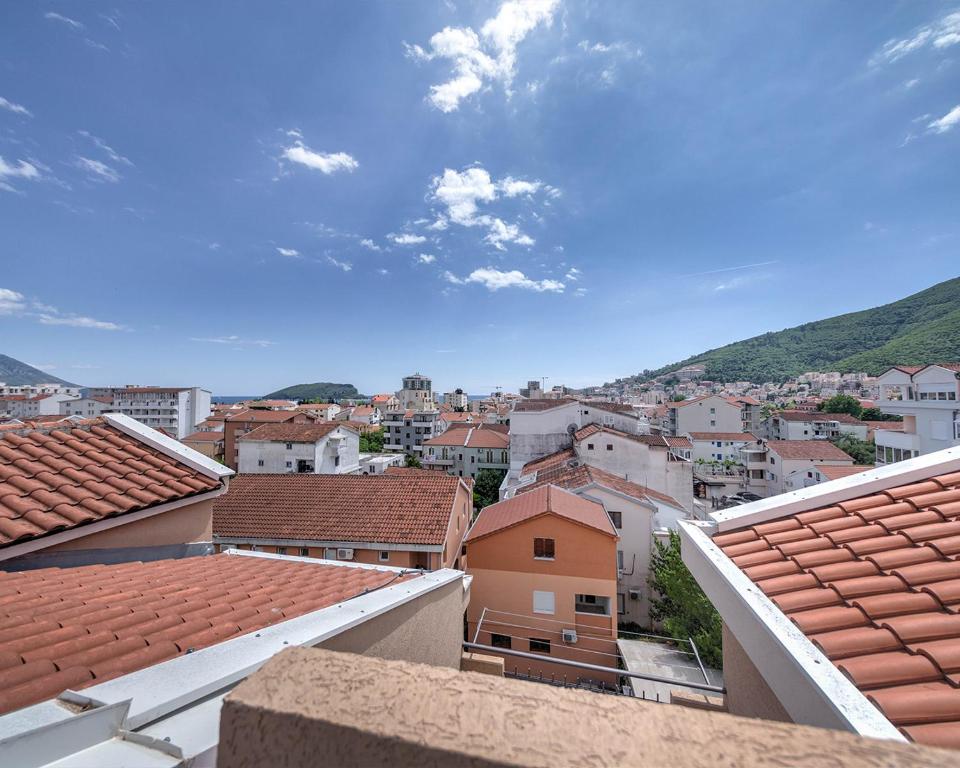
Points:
point(696, 417)
point(748, 694)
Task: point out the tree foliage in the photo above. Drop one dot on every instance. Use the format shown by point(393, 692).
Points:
point(321, 392)
point(486, 489)
point(680, 605)
point(372, 442)
point(862, 451)
point(841, 404)
point(413, 462)
point(875, 414)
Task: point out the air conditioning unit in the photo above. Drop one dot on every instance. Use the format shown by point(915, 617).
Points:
point(344, 554)
point(569, 635)
point(634, 594)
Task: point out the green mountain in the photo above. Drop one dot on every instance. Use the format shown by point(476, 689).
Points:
point(322, 390)
point(16, 373)
point(922, 328)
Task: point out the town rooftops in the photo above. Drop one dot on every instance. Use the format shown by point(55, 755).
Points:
point(471, 437)
point(817, 450)
point(541, 404)
point(833, 472)
point(873, 582)
point(656, 441)
point(264, 416)
point(734, 437)
point(203, 437)
point(574, 477)
point(68, 476)
point(842, 418)
point(407, 508)
point(292, 433)
point(678, 441)
point(76, 627)
point(550, 460)
point(548, 499)
point(149, 390)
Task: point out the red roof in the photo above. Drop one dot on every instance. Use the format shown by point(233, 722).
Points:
point(542, 501)
point(75, 627)
point(572, 478)
point(817, 450)
point(835, 473)
point(60, 478)
point(843, 418)
point(267, 417)
point(657, 441)
point(292, 433)
point(471, 437)
point(874, 583)
point(408, 508)
point(678, 442)
point(550, 460)
point(203, 437)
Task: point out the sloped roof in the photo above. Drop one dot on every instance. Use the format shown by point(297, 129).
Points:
point(544, 404)
point(267, 417)
point(471, 437)
point(822, 450)
point(874, 583)
point(292, 433)
point(63, 477)
point(656, 441)
point(834, 472)
point(550, 460)
point(203, 437)
point(406, 508)
point(793, 415)
point(74, 627)
point(572, 478)
point(548, 499)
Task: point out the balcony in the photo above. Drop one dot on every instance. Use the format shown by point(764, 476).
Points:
point(889, 438)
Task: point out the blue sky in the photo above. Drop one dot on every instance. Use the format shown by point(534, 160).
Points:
point(245, 196)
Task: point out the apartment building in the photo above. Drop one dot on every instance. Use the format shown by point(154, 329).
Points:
point(710, 413)
point(928, 399)
point(839, 601)
point(175, 410)
point(410, 520)
point(87, 407)
point(416, 393)
point(785, 457)
point(323, 448)
point(464, 450)
point(321, 411)
point(102, 490)
point(235, 425)
point(813, 425)
point(207, 442)
point(544, 568)
point(32, 406)
point(458, 399)
point(821, 473)
point(32, 390)
point(720, 447)
point(409, 429)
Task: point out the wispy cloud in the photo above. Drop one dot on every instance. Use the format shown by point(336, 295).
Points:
point(495, 280)
point(740, 281)
point(96, 170)
point(573, 274)
point(11, 302)
point(940, 34)
point(14, 303)
point(346, 266)
point(730, 269)
point(21, 170)
point(326, 162)
point(426, 258)
point(107, 149)
point(72, 23)
point(370, 245)
point(79, 321)
point(407, 239)
point(17, 109)
point(488, 57)
point(235, 341)
point(946, 123)
point(292, 253)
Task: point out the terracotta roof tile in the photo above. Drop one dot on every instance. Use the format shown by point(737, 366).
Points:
point(816, 450)
point(292, 433)
point(874, 582)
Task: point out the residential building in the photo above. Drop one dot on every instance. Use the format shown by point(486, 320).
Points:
point(32, 390)
point(361, 414)
point(379, 463)
point(640, 515)
point(102, 490)
point(385, 402)
point(533, 390)
point(323, 448)
point(416, 394)
point(813, 425)
point(31, 406)
point(785, 457)
point(839, 601)
point(408, 430)
point(321, 411)
point(544, 568)
point(465, 450)
point(238, 424)
point(177, 410)
point(821, 473)
point(723, 447)
point(710, 413)
point(148, 651)
point(410, 520)
point(209, 443)
point(457, 399)
point(928, 399)
point(87, 407)
point(272, 405)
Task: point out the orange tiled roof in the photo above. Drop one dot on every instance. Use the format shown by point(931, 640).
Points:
point(550, 460)
point(541, 501)
point(74, 627)
point(834, 473)
point(267, 417)
point(471, 436)
point(408, 508)
point(874, 583)
point(678, 442)
point(60, 478)
point(203, 437)
point(293, 433)
point(843, 418)
point(657, 441)
point(817, 450)
point(572, 478)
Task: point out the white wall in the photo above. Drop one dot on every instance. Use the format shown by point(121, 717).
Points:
point(712, 414)
point(275, 455)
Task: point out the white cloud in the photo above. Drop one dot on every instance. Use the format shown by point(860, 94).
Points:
point(17, 109)
point(344, 265)
point(407, 239)
point(383, 271)
point(73, 23)
point(214, 246)
point(494, 280)
point(11, 302)
point(940, 34)
point(511, 187)
point(22, 170)
point(426, 258)
point(97, 171)
point(327, 163)
point(369, 244)
point(500, 232)
point(95, 45)
point(235, 341)
point(439, 225)
point(292, 253)
point(911, 83)
point(485, 58)
point(79, 321)
point(730, 269)
point(110, 151)
point(946, 123)
point(573, 274)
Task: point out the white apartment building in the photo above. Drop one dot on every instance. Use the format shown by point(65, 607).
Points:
point(928, 399)
point(176, 410)
point(464, 449)
point(457, 399)
point(710, 413)
point(87, 407)
point(378, 463)
point(32, 390)
point(417, 393)
point(324, 448)
point(786, 457)
point(31, 406)
point(720, 446)
point(813, 425)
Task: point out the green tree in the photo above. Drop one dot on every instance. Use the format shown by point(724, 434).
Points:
point(841, 404)
point(677, 398)
point(875, 414)
point(413, 462)
point(680, 605)
point(862, 451)
point(371, 442)
point(486, 490)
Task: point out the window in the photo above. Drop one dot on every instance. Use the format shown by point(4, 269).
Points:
point(597, 604)
point(616, 518)
point(260, 463)
point(289, 465)
point(539, 645)
point(621, 603)
point(713, 423)
point(330, 553)
point(544, 549)
point(499, 641)
point(619, 559)
point(543, 602)
point(336, 461)
point(304, 552)
point(609, 446)
point(289, 446)
point(589, 446)
point(384, 557)
point(281, 550)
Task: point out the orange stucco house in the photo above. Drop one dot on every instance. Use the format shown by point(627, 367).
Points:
point(544, 567)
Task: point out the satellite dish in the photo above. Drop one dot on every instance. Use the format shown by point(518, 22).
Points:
point(571, 428)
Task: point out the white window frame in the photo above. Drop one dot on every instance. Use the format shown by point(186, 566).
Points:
point(544, 602)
